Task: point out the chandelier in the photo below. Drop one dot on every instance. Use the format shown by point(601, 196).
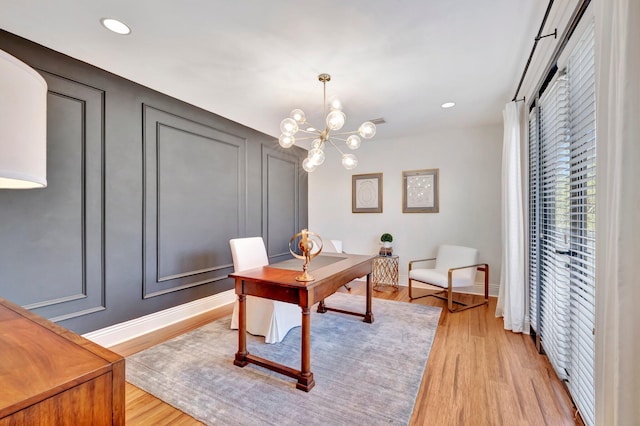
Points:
point(334, 120)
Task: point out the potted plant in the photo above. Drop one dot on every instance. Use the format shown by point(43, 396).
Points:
point(386, 239)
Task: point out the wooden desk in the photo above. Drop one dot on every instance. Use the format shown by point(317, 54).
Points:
point(274, 282)
point(51, 376)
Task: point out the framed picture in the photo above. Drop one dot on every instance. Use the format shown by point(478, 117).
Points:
point(366, 193)
point(420, 191)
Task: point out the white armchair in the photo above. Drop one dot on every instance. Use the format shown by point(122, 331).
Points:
point(269, 318)
point(455, 266)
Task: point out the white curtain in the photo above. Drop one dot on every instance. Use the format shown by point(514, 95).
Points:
point(617, 363)
point(512, 302)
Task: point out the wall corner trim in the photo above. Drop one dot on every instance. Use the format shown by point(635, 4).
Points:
point(119, 333)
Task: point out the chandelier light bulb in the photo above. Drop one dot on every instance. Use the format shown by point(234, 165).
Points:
point(349, 161)
point(335, 104)
point(316, 156)
point(298, 115)
point(353, 142)
point(317, 143)
point(367, 130)
point(288, 126)
point(286, 141)
point(308, 165)
point(335, 120)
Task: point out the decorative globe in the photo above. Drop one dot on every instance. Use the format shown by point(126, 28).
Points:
point(305, 247)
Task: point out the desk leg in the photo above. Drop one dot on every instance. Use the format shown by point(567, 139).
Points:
point(305, 381)
point(241, 355)
point(368, 315)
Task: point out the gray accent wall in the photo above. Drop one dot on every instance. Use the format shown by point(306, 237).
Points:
point(144, 192)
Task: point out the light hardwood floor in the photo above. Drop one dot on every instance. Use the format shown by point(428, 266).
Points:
point(477, 373)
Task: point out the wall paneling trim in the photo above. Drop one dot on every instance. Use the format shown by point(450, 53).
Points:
point(194, 190)
point(144, 193)
point(52, 239)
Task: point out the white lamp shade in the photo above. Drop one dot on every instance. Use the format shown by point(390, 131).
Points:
point(23, 125)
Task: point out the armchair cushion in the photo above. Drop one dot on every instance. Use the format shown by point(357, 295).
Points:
point(439, 278)
point(449, 256)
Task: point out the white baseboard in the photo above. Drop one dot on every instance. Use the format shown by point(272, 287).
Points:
point(128, 330)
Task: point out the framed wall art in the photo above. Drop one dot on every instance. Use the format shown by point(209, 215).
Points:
point(420, 191)
point(366, 193)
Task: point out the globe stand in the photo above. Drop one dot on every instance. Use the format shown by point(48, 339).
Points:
point(305, 277)
point(306, 246)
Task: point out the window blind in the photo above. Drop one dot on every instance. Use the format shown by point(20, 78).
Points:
point(554, 223)
point(562, 183)
point(533, 220)
point(581, 79)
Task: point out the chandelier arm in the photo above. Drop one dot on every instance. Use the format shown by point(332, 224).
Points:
point(345, 133)
point(340, 139)
point(335, 146)
point(310, 132)
point(305, 139)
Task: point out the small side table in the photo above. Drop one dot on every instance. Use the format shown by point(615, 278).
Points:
point(384, 275)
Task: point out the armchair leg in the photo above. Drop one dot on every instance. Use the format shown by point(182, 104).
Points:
point(485, 269)
point(450, 291)
point(417, 297)
point(486, 282)
point(449, 299)
point(420, 297)
point(431, 294)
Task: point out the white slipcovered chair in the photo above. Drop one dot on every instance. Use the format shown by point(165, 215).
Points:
point(269, 318)
point(328, 246)
point(331, 246)
point(455, 266)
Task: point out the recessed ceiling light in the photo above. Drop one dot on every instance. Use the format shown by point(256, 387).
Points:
point(448, 105)
point(115, 26)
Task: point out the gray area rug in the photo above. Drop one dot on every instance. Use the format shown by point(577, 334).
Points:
point(366, 374)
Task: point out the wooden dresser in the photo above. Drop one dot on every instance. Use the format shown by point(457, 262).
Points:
point(52, 376)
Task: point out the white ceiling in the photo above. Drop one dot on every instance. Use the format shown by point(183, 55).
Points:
point(253, 61)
